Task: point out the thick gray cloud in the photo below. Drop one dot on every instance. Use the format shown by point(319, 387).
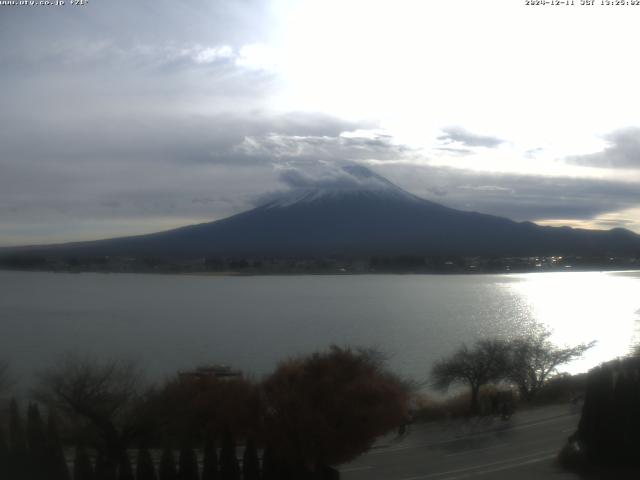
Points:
point(453, 135)
point(172, 167)
point(133, 59)
point(623, 151)
point(455, 151)
point(519, 197)
point(348, 176)
point(225, 138)
point(333, 178)
point(324, 148)
point(304, 178)
point(129, 23)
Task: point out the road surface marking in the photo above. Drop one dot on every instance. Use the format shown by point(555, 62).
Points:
point(355, 469)
point(473, 450)
point(535, 424)
point(473, 470)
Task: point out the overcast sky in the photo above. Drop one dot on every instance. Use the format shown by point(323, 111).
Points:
point(123, 117)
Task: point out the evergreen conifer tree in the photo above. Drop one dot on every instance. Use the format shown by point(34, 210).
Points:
point(269, 466)
point(229, 468)
point(250, 462)
point(188, 463)
point(82, 468)
point(167, 465)
point(105, 468)
point(125, 472)
point(18, 463)
point(144, 468)
point(4, 455)
point(210, 459)
point(56, 461)
point(37, 444)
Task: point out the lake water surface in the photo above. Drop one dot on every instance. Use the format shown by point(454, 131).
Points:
point(171, 322)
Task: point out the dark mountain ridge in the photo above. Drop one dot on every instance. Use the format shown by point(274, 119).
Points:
point(361, 215)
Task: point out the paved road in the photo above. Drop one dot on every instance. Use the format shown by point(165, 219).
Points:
point(523, 448)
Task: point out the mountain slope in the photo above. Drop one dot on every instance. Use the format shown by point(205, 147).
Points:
point(362, 214)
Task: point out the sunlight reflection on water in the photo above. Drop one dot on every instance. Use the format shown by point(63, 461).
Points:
point(585, 306)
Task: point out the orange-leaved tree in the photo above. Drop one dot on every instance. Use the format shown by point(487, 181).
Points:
point(328, 408)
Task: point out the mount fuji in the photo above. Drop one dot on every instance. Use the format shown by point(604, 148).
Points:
point(357, 214)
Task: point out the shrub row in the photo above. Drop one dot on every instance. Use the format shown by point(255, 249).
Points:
point(35, 452)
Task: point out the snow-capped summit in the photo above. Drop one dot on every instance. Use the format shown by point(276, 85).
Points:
point(348, 181)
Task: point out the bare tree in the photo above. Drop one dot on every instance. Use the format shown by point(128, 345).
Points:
point(96, 394)
point(533, 359)
point(485, 362)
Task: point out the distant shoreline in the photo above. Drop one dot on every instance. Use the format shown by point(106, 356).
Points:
point(327, 273)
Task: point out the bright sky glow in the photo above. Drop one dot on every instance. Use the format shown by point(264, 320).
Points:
point(540, 78)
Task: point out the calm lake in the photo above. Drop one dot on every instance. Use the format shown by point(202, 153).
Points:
point(171, 322)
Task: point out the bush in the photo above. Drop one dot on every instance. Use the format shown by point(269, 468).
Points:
point(561, 389)
point(610, 419)
point(572, 457)
point(328, 408)
point(455, 406)
point(191, 406)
